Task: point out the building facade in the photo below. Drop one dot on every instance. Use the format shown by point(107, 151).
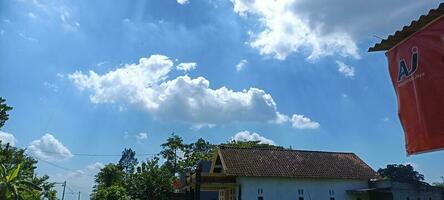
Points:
point(390, 190)
point(280, 174)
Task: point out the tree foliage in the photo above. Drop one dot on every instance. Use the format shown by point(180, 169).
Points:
point(110, 184)
point(149, 181)
point(113, 192)
point(4, 116)
point(195, 152)
point(152, 180)
point(401, 173)
point(128, 160)
point(18, 179)
point(172, 151)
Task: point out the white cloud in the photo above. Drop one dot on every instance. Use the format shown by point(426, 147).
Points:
point(346, 70)
point(31, 39)
point(323, 28)
point(297, 121)
point(100, 64)
point(281, 118)
point(241, 65)
point(81, 179)
point(68, 23)
point(251, 136)
point(95, 167)
point(32, 15)
point(184, 99)
point(51, 86)
point(200, 126)
point(302, 122)
point(141, 136)
point(49, 148)
point(54, 11)
point(7, 138)
point(285, 31)
point(186, 66)
point(182, 2)
point(60, 76)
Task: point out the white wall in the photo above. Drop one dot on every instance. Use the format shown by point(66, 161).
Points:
point(414, 195)
point(402, 191)
point(287, 188)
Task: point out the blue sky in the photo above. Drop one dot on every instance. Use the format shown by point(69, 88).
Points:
point(96, 77)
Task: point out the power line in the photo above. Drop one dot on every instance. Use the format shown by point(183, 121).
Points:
point(57, 166)
point(94, 155)
point(85, 154)
point(64, 168)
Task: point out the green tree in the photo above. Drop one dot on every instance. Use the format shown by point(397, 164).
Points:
point(172, 151)
point(195, 152)
point(401, 173)
point(128, 161)
point(151, 181)
point(114, 192)
point(14, 187)
point(109, 183)
point(18, 178)
point(110, 175)
point(4, 116)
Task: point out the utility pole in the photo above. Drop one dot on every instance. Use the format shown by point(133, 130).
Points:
point(64, 187)
point(78, 196)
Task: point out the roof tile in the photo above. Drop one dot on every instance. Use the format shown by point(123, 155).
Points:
point(407, 31)
point(294, 163)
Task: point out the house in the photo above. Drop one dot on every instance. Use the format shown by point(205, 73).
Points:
point(390, 190)
point(280, 174)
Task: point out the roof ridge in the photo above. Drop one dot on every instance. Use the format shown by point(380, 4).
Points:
point(276, 149)
point(408, 30)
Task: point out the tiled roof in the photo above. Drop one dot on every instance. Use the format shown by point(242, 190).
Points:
point(294, 163)
point(407, 31)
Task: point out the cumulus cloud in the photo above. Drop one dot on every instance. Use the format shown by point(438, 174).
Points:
point(141, 136)
point(241, 65)
point(7, 138)
point(285, 31)
point(322, 28)
point(49, 148)
point(184, 99)
point(302, 122)
point(297, 121)
point(346, 70)
point(182, 2)
point(186, 66)
point(251, 136)
point(95, 167)
point(81, 177)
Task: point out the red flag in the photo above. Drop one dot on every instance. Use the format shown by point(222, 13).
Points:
point(417, 71)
